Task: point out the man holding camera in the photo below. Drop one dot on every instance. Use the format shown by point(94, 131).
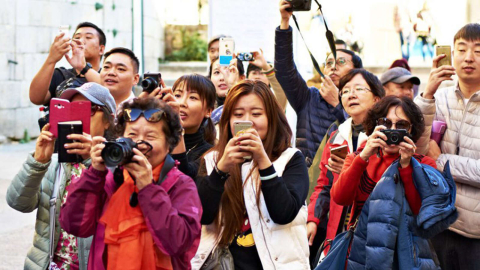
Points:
point(87, 45)
point(458, 106)
point(316, 108)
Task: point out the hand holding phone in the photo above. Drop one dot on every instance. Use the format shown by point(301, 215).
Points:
point(341, 151)
point(444, 49)
point(239, 128)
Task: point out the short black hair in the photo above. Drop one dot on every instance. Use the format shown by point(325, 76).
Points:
point(127, 52)
point(356, 60)
point(340, 42)
point(411, 110)
point(373, 82)
point(241, 69)
point(470, 32)
point(101, 36)
point(251, 67)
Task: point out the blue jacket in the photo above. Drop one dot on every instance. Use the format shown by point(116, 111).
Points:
point(314, 114)
point(388, 235)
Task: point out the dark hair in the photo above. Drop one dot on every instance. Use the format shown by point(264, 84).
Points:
point(215, 38)
point(251, 67)
point(400, 63)
point(241, 69)
point(373, 82)
point(170, 123)
point(356, 60)
point(206, 91)
point(127, 52)
point(230, 218)
point(101, 36)
point(340, 42)
point(109, 118)
point(470, 32)
point(411, 110)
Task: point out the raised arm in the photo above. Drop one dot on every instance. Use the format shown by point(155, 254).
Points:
point(39, 87)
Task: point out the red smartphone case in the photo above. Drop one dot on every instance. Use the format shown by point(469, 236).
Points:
point(62, 110)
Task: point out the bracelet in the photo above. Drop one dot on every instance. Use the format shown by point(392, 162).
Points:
point(268, 177)
point(223, 175)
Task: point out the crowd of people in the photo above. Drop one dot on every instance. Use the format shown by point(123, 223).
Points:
point(193, 191)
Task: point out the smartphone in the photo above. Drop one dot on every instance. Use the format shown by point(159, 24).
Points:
point(65, 29)
point(226, 50)
point(444, 49)
point(341, 151)
point(65, 129)
point(239, 128)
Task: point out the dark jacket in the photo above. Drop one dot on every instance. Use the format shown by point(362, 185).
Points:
point(172, 211)
point(314, 114)
point(388, 235)
point(196, 146)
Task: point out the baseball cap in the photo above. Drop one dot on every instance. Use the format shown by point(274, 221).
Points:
point(398, 75)
point(95, 93)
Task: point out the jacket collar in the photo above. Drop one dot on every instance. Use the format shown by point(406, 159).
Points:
point(345, 134)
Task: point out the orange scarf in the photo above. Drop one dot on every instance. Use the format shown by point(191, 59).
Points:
point(130, 244)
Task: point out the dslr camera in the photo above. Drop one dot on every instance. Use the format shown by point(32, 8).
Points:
point(245, 56)
point(151, 81)
point(119, 152)
point(300, 5)
point(395, 136)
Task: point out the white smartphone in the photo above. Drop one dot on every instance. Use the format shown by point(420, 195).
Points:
point(66, 30)
point(239, 128)
point(226, 50)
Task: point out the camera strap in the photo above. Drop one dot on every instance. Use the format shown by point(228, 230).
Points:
point(329, 36)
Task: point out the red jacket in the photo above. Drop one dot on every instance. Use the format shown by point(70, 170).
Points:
point(320, 206)
point(172, 210)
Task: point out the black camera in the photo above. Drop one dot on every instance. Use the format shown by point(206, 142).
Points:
point(245, 57)
point(300, 5)
point(151, 81)
point(395, 136)
point(119, 152)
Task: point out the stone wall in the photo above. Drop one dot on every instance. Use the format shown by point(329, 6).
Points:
point(27, 29)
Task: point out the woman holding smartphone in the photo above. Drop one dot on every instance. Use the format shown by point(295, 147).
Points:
point(32, 188)
point(359, 90)
point(253, 187)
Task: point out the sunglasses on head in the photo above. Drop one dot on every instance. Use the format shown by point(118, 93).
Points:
point(401, 124)
point(151, 115)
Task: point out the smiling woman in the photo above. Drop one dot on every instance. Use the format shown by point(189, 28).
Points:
point(162, 228)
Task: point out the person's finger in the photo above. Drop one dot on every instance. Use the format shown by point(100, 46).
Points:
point(336, 158)
point(332, 169)
point(78, 137)
point(445, 73)
point(162, 83)
point(98, 140)
point(436, 59)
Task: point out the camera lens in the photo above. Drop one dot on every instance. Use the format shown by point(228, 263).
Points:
point(149, 84)
point(248, 57)
point(118, 152)
point(394, 138)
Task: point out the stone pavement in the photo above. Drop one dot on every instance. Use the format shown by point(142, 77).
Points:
point(16, 229)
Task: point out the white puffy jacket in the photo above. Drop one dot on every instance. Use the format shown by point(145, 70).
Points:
point(279, 246)
point(461, 147)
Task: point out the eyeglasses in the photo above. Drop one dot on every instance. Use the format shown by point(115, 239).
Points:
point(358, 89)
point(341, 61)
point(95, 109)
point(152, 115)
point(401, 124)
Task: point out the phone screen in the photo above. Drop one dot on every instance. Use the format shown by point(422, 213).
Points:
point(226, 50)
point(447, 50)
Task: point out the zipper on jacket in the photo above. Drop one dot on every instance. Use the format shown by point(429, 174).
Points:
point(463, 120)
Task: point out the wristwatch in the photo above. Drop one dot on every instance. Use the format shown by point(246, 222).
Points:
point(86, 68)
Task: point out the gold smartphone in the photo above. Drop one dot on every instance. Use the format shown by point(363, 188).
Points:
point(447, 50)
point(341, 151)
point(239, 128)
